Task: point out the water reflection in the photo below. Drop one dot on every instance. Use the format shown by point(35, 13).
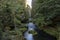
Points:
point(31, 26)
point(27, 35)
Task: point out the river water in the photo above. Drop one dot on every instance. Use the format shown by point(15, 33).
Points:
point(27, 35)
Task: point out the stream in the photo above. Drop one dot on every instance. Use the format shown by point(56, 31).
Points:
point(27, 35)
point(41, 35)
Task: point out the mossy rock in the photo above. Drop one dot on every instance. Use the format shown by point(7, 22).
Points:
point(33, 32)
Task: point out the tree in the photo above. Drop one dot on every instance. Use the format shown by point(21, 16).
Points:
point(45, 12)
point(10, 12)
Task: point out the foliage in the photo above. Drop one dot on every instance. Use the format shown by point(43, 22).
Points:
point(33, 32)
point(10, 12)
point(45, 13)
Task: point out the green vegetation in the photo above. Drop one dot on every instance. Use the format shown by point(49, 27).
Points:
point(45, 14)
point(33, 32)
point(10, 18)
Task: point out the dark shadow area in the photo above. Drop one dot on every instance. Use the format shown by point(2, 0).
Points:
point(42, 35)
point(24, 21)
